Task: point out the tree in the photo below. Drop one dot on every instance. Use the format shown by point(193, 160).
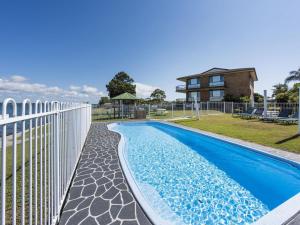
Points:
point(104, 100)
point(158, 95)
point(294, 76)
point(258, 97)
point(245, 99)
point(280, 92)
point(120, 84)
point(294, 93)
point(230, 98)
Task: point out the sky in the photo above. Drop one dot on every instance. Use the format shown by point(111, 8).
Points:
point(70, 50)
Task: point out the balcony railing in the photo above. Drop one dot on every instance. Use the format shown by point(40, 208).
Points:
point(180, 88)
point(216, 84)
point(216, 98)
point(191, 86)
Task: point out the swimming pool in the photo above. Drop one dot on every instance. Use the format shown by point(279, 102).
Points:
point(189, 178)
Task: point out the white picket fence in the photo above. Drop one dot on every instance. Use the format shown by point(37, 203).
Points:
point(39, 157)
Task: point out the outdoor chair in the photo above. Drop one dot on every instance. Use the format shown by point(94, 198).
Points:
point(289, 120)
point(240, 114)
point(248, 115)
point(257, 114)
point(237, 112)
point(283, 114)
point(249, 111)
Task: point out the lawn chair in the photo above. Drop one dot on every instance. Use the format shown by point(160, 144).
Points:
point(258, 113)
point(248, 115)
point(237, 112)
point(283, 114)
point(255, 114)
point(290, 120)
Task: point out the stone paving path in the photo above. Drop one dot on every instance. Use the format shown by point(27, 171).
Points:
point(99, 194)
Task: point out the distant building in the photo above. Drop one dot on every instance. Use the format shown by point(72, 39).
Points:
point(214, 84)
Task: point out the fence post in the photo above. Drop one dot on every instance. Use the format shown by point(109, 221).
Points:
point(192, 110)
point(207, 107)
point(224, 107)
point(122, 109)
point(57, 158)
point(149, 110)
point(231, 107)
point(299, 113)
point(265, 103)
point(183, 109)
point(172, 110)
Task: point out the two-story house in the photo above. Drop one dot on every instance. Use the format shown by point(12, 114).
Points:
point(214, 84)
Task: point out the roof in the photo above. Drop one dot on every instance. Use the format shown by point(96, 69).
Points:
point(222, 71)
point(125, 96)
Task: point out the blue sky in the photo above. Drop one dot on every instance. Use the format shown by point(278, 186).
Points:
point(77, 46)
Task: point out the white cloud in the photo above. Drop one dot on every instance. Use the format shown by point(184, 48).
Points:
point(17, 78)
point(90, 90)
point(18, 87)
point(75, 88)
point(144, 90)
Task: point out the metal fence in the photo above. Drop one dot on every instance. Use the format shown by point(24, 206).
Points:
point(40, 148)
point(169, 110)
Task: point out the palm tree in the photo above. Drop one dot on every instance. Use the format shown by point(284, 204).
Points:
point(294, 76)
point(279, 88)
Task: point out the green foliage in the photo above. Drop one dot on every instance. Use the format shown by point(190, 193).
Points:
point(294, 93)
point(258, 97)
point(230, 98)
point(245, 99)
point(158, 95)
point(104, 100)
point(120, 84)
point(143, 101)
point(281, 93)
point(279, 88)
point(293, 76)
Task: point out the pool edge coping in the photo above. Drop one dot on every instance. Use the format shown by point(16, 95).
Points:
point(282, 214)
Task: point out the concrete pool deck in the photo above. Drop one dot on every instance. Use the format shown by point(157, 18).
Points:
point(99, 192)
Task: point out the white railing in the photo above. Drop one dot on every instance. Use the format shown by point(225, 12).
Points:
point(191, 86)
point(216, 84)
point(180, 88)
point(185, 109)
point(41, 144)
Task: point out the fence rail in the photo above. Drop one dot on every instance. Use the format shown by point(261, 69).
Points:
point(38, 157)
point(181, 109)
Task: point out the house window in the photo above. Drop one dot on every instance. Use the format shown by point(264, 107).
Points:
point(217, 80)
point(194, 83)
point(216, 93)
point(194, 95)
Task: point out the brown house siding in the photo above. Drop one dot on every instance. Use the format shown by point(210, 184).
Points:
point(238, 84)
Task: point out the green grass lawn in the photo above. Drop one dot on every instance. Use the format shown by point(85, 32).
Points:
point(268, 134)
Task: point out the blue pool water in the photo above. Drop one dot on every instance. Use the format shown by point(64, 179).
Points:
point(196, 179)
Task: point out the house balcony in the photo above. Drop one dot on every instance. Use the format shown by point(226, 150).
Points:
point(181, 88)
point(217, 84)
point(192, 86)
